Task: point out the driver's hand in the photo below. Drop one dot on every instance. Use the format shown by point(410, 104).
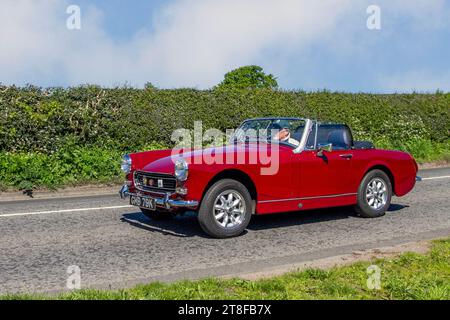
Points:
point(283, 135)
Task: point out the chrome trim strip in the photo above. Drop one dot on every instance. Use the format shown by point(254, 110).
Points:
point(316, 133)
point(164, 202)
point(279, 200)
point(124, 192)
point(307, 131)
point(309, 198)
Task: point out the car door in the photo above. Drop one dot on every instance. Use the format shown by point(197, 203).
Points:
point(328, 173)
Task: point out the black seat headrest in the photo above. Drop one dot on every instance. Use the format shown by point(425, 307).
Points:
point(339, 139)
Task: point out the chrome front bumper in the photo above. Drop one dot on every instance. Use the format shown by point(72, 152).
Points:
point(165, 202)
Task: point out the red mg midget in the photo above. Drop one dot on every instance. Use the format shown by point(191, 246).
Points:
point(270, 165)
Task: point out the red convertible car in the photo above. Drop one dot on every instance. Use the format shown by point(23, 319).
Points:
point(305, 164)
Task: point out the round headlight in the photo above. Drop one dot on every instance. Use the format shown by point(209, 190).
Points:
point(126, 164)
point(181, 169)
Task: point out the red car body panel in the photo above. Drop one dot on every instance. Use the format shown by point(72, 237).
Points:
point(303, 181)
point(141, 159)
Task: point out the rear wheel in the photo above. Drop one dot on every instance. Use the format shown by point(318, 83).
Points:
point(157, 215)
point(226, 209)
point(374, 194)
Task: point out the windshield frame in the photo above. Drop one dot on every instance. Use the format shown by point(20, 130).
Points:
point(302, 142)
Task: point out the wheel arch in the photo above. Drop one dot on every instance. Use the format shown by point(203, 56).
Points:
point(386, 170)
point(237, 175)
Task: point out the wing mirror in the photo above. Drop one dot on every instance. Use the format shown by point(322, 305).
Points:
point(328, 147)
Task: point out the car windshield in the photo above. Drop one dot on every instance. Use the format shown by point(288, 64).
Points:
point(282, 130)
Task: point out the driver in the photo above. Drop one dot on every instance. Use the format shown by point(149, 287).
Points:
point(284, 135)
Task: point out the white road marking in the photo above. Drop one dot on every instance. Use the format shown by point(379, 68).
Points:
point(62, 211)
point(434, 178)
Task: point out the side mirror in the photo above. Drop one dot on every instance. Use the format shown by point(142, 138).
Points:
point(328, 147)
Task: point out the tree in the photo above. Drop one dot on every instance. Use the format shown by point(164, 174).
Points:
point(248, 77)
point(150, 86)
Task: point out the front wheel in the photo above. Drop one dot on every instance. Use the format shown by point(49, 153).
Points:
point(374, 194)
point(226, 209)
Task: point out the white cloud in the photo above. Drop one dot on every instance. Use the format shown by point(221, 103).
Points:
point(193, 43)
point(200, 40)
point(38, 48)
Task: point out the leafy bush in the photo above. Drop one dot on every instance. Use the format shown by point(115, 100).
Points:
point(65, 167)
point(57, 136)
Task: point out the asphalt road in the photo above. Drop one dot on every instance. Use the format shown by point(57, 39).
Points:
point(115, 245)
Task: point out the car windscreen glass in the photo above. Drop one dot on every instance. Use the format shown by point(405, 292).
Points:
point(288, 131)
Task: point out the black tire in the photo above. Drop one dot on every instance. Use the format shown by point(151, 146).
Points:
point(206, 216)
point(363, 208)
point(157, 215)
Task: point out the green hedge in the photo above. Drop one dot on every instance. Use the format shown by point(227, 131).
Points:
point(34, 119)
point(43, 123)
point(26, 171)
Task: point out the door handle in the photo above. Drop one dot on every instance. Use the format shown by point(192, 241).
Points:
point(346, 156)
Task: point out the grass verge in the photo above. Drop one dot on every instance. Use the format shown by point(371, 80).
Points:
point(408, 276)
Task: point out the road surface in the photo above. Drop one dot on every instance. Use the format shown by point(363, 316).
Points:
point(116, 246)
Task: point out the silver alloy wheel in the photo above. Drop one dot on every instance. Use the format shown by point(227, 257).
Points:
point(229, 209)
point(376, 193)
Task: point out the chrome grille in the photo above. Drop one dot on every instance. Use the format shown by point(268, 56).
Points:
point(157, 182)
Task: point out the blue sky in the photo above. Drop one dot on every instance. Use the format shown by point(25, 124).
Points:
point(307, 44)
point(122, 19)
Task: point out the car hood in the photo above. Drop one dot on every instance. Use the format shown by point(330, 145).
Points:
point(195, 157)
